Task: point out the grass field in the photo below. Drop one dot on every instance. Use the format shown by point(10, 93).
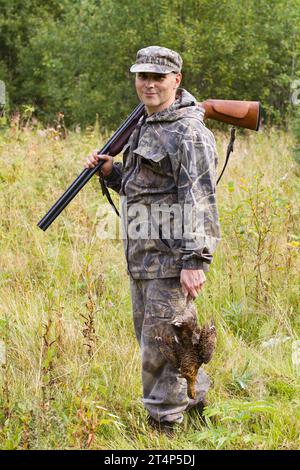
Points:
point(70, 363)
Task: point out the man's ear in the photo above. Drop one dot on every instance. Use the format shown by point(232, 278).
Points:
point(178, 79)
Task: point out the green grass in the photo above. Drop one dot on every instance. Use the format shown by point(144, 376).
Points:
point(70, 375)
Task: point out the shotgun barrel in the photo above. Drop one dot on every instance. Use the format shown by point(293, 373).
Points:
point(112, 147)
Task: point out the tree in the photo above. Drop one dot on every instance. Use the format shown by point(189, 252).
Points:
point(74, 56)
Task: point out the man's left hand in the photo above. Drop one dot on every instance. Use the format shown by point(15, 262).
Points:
point(192, 281)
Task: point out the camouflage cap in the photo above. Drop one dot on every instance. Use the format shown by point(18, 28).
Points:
point(157, 59)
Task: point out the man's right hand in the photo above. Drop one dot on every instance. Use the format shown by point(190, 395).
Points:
point(93, 159)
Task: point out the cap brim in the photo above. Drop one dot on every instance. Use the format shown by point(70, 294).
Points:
point(152, 68)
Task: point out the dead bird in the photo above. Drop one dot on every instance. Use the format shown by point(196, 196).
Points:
point(187, 346)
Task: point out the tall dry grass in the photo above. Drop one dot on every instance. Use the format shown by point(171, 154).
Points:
point(70, 375)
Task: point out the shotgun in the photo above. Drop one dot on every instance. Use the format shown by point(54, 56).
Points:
point(238, 113)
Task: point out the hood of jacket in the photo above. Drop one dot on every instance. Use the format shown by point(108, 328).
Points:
point(184, 106)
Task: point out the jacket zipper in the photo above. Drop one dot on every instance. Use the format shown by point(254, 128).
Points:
point(136, 143)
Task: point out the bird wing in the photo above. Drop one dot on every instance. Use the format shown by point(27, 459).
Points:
point(207, 342)
point(168, 346)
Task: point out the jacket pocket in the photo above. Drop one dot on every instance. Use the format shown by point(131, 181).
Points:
point(150, 155)
point(157, 161)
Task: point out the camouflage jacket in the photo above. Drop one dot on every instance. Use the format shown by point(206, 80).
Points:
point(167, 188)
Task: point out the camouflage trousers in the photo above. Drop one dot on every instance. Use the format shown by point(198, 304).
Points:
point(155, 303)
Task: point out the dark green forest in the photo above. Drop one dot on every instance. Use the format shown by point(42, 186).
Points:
point(73, 56)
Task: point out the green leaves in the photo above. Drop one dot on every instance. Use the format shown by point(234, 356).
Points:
point(74, 56)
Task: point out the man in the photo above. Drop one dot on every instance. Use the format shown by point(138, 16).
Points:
point(167, 183)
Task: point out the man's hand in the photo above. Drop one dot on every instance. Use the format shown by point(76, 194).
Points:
point(93, 159)
point(192, 281)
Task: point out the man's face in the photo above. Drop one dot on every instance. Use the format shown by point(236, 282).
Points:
point(156, 90)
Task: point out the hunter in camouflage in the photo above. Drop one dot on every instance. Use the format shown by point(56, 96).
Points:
point(166, 183)
point(172, 166)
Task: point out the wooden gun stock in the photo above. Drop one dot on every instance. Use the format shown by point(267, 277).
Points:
point(238, 113)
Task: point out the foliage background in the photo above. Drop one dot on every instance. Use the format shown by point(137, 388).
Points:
point(73, 56)
point(70, 364)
